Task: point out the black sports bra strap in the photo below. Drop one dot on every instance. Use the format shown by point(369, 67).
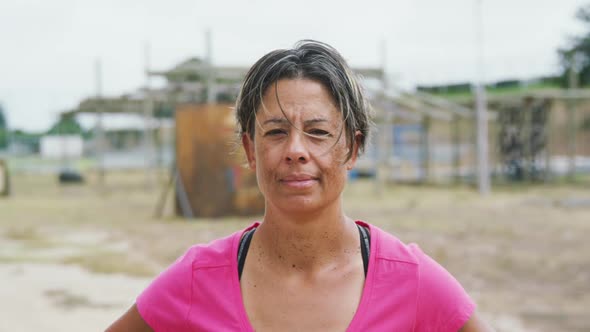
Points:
point(365, 246)
point(243, 250)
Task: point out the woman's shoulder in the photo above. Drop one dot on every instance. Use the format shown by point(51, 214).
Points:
point(218, 252)
point(167, 299)
point(440, 298)
point(385, 245)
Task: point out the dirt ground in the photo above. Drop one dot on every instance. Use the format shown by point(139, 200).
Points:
point(74, 257)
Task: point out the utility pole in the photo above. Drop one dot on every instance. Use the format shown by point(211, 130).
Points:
point(211, 93)
point(383, 56)
point(99, 124)
point(383, 171)
point(147, 117)
point(483, 173)
point(571, 118)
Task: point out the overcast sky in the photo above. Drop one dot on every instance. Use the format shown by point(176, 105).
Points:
point(48, 48)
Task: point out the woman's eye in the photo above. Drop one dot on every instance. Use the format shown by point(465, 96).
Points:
point(274, 132)
point(319, 132)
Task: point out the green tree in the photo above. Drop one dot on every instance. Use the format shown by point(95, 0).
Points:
point(3, 130)
point(27, 138)
point(577, 55)
point(66, 125)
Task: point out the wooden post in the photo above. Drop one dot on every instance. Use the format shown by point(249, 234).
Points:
point(572, 104)
point(548, 136)
point(211, 87)
point(425, 149)
point(99, 125)
point(4, 179)
point(493, 144)
point(483, 173)
point(381, 162)
point(527, 108)
point(571, 138)
point(456, 142)
point(147, 118)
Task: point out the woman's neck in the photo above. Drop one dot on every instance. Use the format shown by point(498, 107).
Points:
point(307, 243)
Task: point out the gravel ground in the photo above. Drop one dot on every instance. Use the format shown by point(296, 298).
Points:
point(51, 297)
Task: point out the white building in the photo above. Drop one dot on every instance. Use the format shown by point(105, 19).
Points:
point(61, 146)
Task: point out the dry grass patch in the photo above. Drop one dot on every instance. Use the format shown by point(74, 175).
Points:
point(112, 262)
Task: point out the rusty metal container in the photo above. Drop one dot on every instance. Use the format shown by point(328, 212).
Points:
point(211, 165)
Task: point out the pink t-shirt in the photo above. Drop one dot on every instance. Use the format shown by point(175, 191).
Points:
point(405, 290)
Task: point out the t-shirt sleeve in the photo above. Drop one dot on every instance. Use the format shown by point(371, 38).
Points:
point(443, 304)
point(165, 303)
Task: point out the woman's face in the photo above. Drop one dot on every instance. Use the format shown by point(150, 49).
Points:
point(299, 153)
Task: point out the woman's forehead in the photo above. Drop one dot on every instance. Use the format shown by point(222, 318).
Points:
point(305, 115)
point(298, 98)
point(281, 120)
point(298, 91)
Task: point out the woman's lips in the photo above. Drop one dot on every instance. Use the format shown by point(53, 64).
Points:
point(299, 181)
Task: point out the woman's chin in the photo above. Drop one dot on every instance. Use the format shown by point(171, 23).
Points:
point(297, 204)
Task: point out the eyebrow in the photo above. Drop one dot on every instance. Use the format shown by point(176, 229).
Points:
point(284, 121)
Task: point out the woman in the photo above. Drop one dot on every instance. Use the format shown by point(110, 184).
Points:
point(307, 266)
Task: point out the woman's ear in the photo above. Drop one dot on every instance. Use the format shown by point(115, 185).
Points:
point(355, 150)
point(248, 145)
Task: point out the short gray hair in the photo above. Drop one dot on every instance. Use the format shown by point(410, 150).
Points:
point(312, 60)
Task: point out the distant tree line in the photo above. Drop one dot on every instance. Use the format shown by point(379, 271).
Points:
point(576, 56)
point(465, 87)
point(66, 125)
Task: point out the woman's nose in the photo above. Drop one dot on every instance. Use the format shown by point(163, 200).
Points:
point(296, 149)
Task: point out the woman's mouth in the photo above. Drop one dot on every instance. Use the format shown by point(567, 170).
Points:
point(299, 181)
